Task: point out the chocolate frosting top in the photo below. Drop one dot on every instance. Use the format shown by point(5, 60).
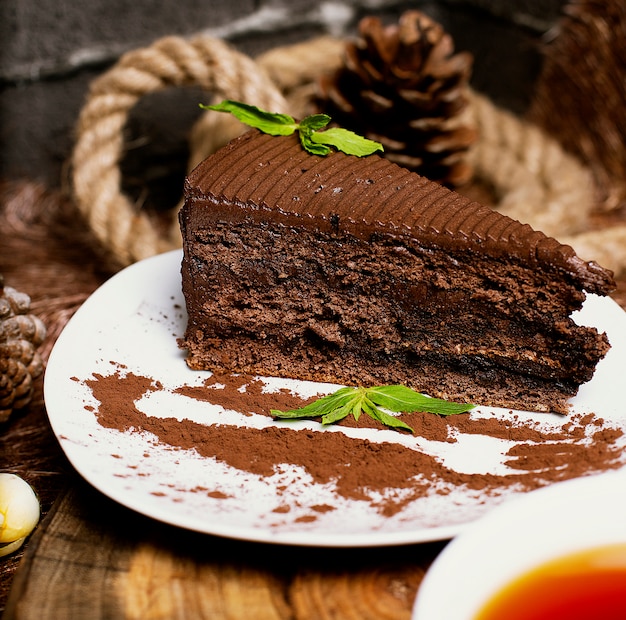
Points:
point(268, 177)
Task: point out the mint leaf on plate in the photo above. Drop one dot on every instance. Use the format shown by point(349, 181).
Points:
point(356, 400)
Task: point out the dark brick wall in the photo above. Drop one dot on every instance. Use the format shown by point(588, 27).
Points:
point(52, 49)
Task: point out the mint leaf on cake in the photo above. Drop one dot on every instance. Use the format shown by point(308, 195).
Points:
point(346, 141)
point(268, 122)
point(356, 400)
point(313, 140)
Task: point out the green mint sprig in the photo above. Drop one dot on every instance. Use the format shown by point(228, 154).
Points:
point(357, 400)
point(313, 140)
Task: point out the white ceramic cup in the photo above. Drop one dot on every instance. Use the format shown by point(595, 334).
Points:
point(518, 536)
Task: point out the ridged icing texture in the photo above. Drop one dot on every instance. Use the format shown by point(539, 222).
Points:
point(265, 177)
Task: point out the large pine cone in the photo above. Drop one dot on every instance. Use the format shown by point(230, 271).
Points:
point(21, 333)
point(402, 85)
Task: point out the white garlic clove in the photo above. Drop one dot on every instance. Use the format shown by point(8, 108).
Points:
point(19, 512)
point(11, 547)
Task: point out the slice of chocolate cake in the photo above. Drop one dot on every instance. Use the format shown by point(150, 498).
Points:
point(356, 271)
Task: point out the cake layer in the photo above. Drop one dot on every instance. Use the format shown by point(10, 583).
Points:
point(269, 177)
point(356, 271)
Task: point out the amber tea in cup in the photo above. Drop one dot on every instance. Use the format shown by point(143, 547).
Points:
point(585, 585)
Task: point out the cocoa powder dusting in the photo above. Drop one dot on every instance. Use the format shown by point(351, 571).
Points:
point(254, 400)
point(359, 469)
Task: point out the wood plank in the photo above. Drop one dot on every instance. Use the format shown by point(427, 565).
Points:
point(94, 558)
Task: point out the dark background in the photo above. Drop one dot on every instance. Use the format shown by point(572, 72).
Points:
point(52, 49)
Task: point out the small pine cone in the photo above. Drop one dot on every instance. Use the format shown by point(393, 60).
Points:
point(402, 85)
point(21, 333)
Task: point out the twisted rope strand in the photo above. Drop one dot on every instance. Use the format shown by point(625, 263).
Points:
point(535, 180)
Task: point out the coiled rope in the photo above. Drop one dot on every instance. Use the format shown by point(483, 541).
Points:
point(96, 179)
point(533, 178)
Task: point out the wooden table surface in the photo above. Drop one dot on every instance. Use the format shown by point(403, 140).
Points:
point(92, 558)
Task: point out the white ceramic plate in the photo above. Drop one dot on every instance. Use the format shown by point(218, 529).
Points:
point(517, 536)
point(132, 323)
